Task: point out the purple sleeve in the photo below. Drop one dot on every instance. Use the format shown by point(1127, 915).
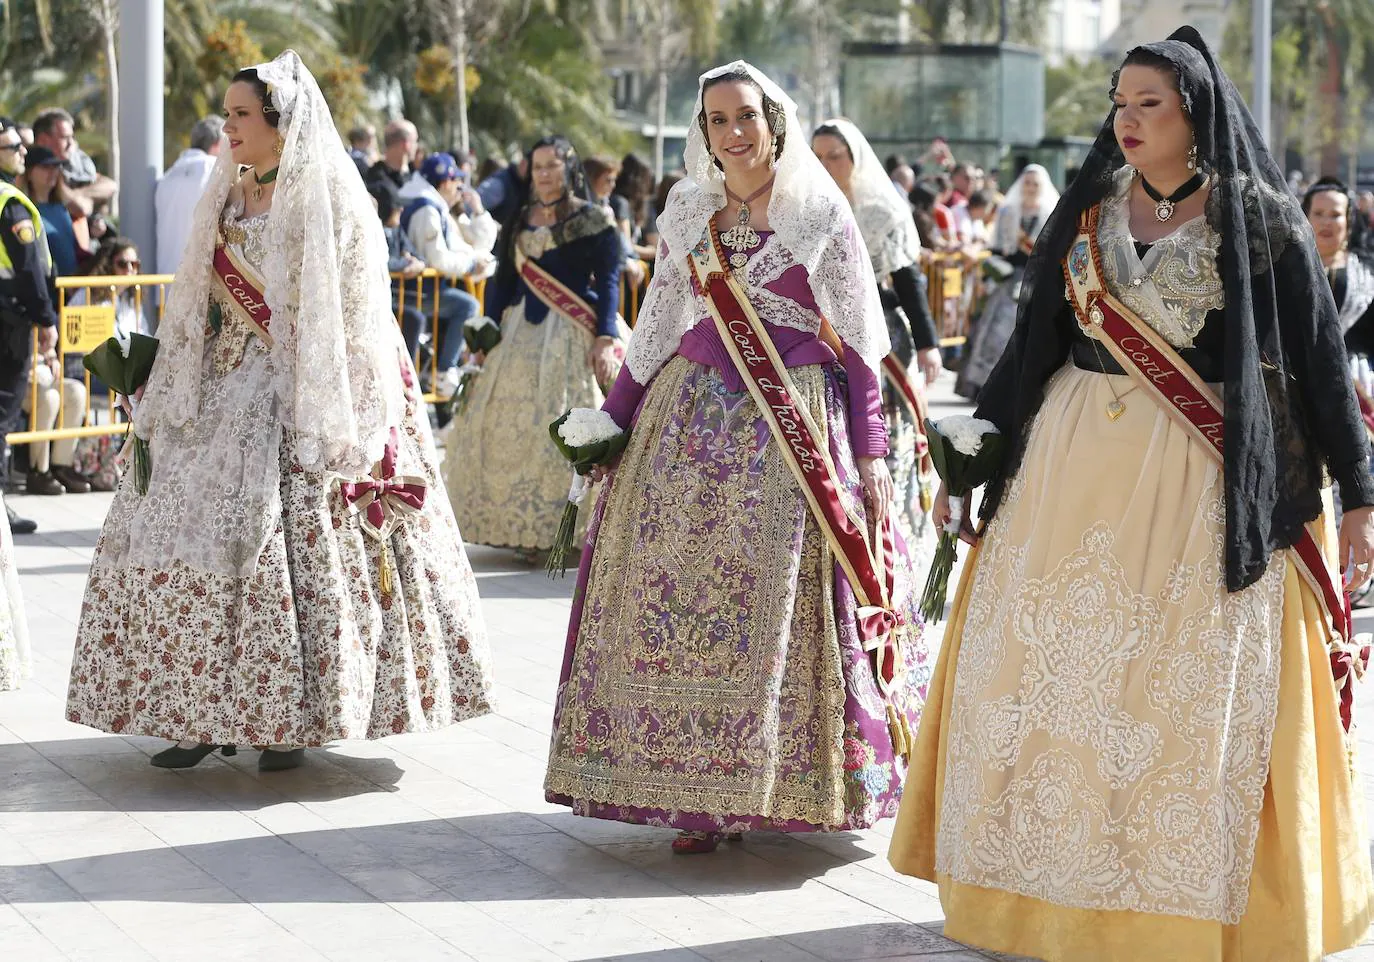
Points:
point(867, 429)
point(623, 401)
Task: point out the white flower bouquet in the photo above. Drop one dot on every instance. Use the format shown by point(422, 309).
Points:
point(482, 335)
point(966, 452)
point(587, 437)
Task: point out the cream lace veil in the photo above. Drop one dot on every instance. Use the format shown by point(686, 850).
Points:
point(809, 216)
point(336, 369)
point(884, 218)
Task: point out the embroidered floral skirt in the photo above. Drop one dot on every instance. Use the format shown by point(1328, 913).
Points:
point(507, 481)
point(903, 464)
point(713, 679)
point(307, 648)
point(1121, 760)
point(14, 626)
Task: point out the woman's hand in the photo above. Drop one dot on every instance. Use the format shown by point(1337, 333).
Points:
point(931, 364)
point(603, 359)
point(877, 485)
point(940, 513)
point(1357, 546)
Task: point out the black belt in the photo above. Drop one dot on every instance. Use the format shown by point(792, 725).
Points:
point(1090, 357)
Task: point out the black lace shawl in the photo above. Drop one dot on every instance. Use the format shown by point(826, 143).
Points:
point(1290, 406)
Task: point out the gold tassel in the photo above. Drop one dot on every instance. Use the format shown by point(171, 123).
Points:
point(899, 729)
point(384, 570)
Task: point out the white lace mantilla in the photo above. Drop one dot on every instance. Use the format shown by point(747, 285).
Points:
point(1176, 284)
point(811, 219)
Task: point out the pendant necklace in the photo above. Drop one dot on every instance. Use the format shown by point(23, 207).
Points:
point(1164, 206)
point(742, 238)
point(263, 181)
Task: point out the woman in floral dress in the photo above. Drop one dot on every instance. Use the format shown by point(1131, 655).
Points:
point(293, 575)
point(722, 674)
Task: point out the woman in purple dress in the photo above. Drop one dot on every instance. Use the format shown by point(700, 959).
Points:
point(744, 651)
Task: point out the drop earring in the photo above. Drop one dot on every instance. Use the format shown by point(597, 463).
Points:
point(279, 146)
point(1192, 157)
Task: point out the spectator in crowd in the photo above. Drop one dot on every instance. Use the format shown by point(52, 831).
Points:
point(179, 190)
point(25, 135)
point(455, 247)
point(501, 193)
point(362, 147)
point(944, 218)
point(659, 204)
point(636, 185)
point(923, 210)
point(981, 212)
point(485, 170)
point(44, 181)
point(59, 399)
point(417, 157)
point(1365, 204)
point(903, 179)
point(117, 257)
point(602, 175)
point(961, 184)
point(89, 190)
point(403, 259)
point(399, 142)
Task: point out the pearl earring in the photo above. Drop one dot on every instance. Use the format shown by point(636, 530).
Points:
point(1192, 157)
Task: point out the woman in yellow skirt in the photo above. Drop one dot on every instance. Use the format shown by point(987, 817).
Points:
point(1133, 748)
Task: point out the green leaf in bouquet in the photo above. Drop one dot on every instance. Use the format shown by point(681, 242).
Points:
point(483, 339)
point(982, 466)
point(107, 362)
point(142, 354)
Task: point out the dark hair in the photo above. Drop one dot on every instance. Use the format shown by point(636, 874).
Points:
point(771, 110)
point(102, 265)
point(50, 118)
point(940, 182)
point(488, 167)
point(7, 123)
point(830, 130)
point(635, 184)
point(387, 197)
point(892, 162)
point(598, 166)
point(361, 135)
point(269, 111)
point(980, 198)
point(1328, 185)
point(924, 195)
point(668, 182)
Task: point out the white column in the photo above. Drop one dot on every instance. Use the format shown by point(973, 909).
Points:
point(1262, 53)
point(140, 120)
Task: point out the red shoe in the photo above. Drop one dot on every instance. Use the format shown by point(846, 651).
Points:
point(695, 843)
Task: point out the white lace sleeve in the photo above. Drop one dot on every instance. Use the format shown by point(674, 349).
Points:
point(842, 280)
point(668, 312)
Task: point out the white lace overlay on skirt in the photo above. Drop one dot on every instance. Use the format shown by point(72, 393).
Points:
point(1109, 741)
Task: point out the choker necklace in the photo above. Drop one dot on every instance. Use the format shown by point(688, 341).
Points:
point(550, 203)
point(741, 238)
point(1164, 206)
point(263, 181)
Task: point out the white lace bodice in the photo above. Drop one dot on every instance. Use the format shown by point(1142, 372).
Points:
point(1176, 284)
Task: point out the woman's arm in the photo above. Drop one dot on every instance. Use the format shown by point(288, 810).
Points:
point(909, 283)
point(608, 258)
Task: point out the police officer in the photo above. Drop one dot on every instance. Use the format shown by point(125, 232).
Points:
point(27, 291)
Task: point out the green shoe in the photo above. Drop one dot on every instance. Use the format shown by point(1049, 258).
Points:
point(177, 757)
point(277, 761)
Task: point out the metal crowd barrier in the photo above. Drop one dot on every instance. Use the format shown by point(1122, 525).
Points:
point(82, 328)
point(429, 373)
point(956, 296)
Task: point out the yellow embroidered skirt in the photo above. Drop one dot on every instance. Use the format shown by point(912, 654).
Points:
point(507, 481)
point(1120, 760)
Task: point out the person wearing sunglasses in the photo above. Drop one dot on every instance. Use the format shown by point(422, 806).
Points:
point(27, 291)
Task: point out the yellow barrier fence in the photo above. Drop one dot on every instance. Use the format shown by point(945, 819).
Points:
point(955, 295)
point(411, 292)
point(87, 308)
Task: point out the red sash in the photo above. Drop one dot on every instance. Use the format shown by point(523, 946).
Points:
point(871, 577)
point(1166, 378)
point(915, 402)
point(556, 295)
point(243, 290)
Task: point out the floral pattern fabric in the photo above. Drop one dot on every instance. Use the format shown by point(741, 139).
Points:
point(270, 625)
point(714, 679)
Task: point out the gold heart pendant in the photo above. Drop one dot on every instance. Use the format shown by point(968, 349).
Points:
point(1115, 409)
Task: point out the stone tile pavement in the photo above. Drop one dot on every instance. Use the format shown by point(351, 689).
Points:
point(416, 848)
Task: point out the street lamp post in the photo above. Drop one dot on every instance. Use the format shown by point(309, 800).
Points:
point(140, 120)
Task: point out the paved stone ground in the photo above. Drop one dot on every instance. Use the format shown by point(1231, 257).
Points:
point(416, 848)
